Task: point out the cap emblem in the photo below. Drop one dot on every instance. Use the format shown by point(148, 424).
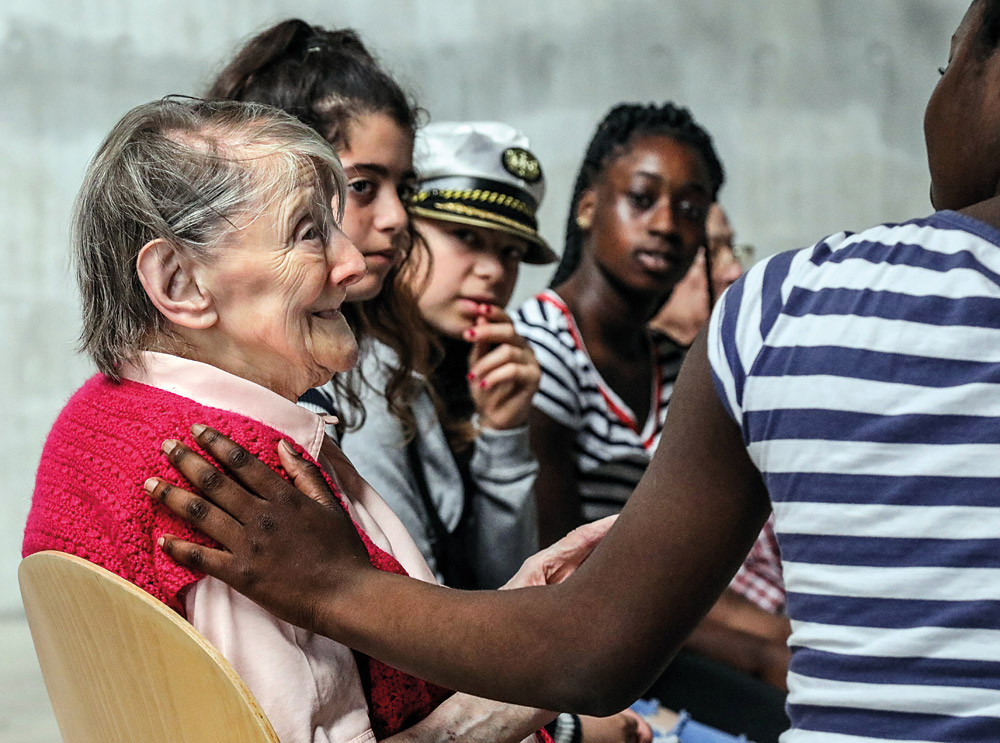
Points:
point(522, 164)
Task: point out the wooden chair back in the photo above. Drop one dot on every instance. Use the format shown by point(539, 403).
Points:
point(121, 667)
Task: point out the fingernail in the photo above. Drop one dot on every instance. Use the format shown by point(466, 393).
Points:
point(198, 429)
point(470, 376)
point(160, 542)
point(470, 334)
point(287, 447)
point(482, 385)
point(484, 308)
point(150, 485)
point(169, 445)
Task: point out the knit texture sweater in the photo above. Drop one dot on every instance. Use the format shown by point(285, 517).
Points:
point(89, 501)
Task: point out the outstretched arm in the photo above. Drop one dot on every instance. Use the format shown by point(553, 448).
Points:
point(590, 644)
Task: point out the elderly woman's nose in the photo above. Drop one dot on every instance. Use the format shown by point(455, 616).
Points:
point(347, 265)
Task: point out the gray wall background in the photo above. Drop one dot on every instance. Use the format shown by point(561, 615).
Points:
point(815, 105)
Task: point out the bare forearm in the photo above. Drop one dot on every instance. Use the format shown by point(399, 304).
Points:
point(543, 656)
point(595, 642)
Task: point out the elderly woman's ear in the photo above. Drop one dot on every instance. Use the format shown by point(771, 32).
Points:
point(172, 281)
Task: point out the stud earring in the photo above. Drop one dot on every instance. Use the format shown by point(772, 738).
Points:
point(583, 224)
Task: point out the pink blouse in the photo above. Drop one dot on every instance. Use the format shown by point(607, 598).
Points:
point(307, 684)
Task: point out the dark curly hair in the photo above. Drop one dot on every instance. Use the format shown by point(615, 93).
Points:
point(327, 79)
point(623, 124)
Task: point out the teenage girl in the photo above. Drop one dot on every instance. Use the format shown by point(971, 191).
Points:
point(462, 481)
point(636, 221)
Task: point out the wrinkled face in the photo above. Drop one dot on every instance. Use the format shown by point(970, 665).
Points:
point(725, 266)
point(277, 283)
point(647, 212)
point(962, 122)
point(468, 266)
point(379, 166)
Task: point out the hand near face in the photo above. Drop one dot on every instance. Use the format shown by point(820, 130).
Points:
point(503, 371)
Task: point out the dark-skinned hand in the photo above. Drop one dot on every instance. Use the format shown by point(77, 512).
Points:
point(252, 514)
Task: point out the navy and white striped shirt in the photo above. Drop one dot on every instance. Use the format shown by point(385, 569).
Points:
point(612, 448)
point(864, 374)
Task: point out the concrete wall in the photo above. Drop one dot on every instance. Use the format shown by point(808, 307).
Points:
point(815, 105)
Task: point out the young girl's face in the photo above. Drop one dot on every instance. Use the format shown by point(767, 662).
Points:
point(645, 215)
point(379, 166)
point(468, 267)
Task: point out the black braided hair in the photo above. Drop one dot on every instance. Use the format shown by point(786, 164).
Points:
point(622, 124)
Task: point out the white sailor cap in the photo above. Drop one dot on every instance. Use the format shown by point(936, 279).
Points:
point(481, 173)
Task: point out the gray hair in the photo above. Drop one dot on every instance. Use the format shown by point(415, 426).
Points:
point(182, 170)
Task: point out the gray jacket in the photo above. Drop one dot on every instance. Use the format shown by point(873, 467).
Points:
point(502, 470)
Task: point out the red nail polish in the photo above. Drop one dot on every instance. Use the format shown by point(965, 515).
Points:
point(482, 385)
point(470, 333)
point(470, 376)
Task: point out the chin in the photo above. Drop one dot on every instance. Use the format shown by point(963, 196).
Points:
point(368, 288)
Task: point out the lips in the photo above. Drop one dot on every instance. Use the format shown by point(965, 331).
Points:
point(482, 299)
point(390, 255)
point(328, 314)
point(655, 261)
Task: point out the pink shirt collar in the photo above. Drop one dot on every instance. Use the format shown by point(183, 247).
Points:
point(211, 386)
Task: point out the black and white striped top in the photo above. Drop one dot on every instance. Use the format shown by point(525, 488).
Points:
point(864, 374)
point(612, 449)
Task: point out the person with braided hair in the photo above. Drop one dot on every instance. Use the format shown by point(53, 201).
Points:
point(637, 220)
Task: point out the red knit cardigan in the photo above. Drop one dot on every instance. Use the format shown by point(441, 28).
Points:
point(89, 501)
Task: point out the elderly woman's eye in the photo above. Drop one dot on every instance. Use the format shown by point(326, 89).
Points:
point(310, 232)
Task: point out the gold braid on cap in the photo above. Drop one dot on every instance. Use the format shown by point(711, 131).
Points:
point(478, 194)
point(469, 211)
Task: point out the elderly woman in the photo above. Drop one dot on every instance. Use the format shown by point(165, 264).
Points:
point(212, 273)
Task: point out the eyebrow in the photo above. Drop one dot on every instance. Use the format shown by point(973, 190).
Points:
point(657, 177)
point(306, 205)
point(381, 170)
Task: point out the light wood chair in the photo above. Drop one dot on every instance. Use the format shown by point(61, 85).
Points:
point(121, 667)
